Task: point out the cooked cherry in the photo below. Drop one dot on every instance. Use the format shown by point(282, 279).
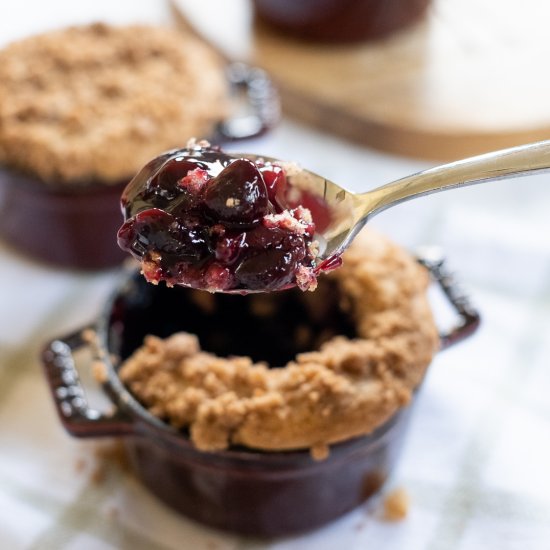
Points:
point(261, 238)
point(135, 234)
point(154, 230)
point(275, 181)
point(218, 277)
point(238, 194)
point(132, 196)
point(162, 184)
point(268, 270)
point(274, 256)
point(228, 248)
point(186, 205)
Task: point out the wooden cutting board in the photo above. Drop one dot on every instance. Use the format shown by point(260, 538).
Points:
point(470, 78)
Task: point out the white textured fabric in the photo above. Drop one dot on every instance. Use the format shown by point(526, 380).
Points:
point(475, 462)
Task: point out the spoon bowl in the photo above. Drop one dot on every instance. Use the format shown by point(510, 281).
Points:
point(350, 211)
point(337, 213)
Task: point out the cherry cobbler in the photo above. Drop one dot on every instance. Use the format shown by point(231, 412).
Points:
point(290, 370)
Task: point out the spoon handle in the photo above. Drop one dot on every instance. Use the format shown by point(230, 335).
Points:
point(503, 164)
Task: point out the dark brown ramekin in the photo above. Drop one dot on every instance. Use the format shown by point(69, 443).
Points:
point(340, 20)
point(75, 226)
point(243, 491)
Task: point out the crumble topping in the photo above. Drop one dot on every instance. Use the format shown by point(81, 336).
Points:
point(345, 389)
point(94, 103)
point(295, 220)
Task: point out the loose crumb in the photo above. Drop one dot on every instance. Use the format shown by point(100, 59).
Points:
point(287, 221)
point(306, 279)
point(89, 336)
point(319, 452)
point(99, 371)
point(396, 505)
point(106, 456)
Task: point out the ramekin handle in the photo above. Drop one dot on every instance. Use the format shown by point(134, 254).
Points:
point(261, 104)
point(468, 317)
point(78, 418)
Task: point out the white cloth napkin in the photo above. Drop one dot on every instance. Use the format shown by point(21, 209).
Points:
point(475, 462)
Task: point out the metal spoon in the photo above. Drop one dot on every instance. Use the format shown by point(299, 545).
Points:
point(340, 214)
point(352, 210)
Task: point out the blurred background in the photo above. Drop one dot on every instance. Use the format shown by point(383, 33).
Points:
point(362, 105)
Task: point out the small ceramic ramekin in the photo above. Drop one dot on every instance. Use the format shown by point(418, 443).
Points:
point(75, 226)
point(240, 490)
point(340, 20)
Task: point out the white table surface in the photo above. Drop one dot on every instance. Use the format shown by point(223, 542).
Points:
point(476, 460)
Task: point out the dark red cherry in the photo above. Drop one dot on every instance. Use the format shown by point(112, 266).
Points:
point(186, 205)
point(267, 270)
point(138, 232)
point(262, 238)
point(165, 183)
point(275, 181)
point(228, 248)
point(238, 194)
point(132, 196)
point(271, 259)
point(158, 231)
point(218, 277)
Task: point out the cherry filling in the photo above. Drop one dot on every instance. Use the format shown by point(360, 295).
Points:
point(201, 218)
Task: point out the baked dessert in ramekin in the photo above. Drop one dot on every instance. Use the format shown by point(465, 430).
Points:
point(357, 348)
point(82, 109)
point(263, 414)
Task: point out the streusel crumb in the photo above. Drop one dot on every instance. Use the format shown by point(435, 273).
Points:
point(99, 371)
point(95, 103)
point(396, 505)
point(320, 452)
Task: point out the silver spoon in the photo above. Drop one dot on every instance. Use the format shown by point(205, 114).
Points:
point(352, 210)
point(342, 212)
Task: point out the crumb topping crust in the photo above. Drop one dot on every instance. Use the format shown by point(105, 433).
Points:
point(94, 103)
point(347, 388)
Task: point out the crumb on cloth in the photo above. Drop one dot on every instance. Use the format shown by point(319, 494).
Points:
point(396, 505)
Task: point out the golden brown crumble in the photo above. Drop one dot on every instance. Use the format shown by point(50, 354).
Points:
point(345, 389)
point(95, 103)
